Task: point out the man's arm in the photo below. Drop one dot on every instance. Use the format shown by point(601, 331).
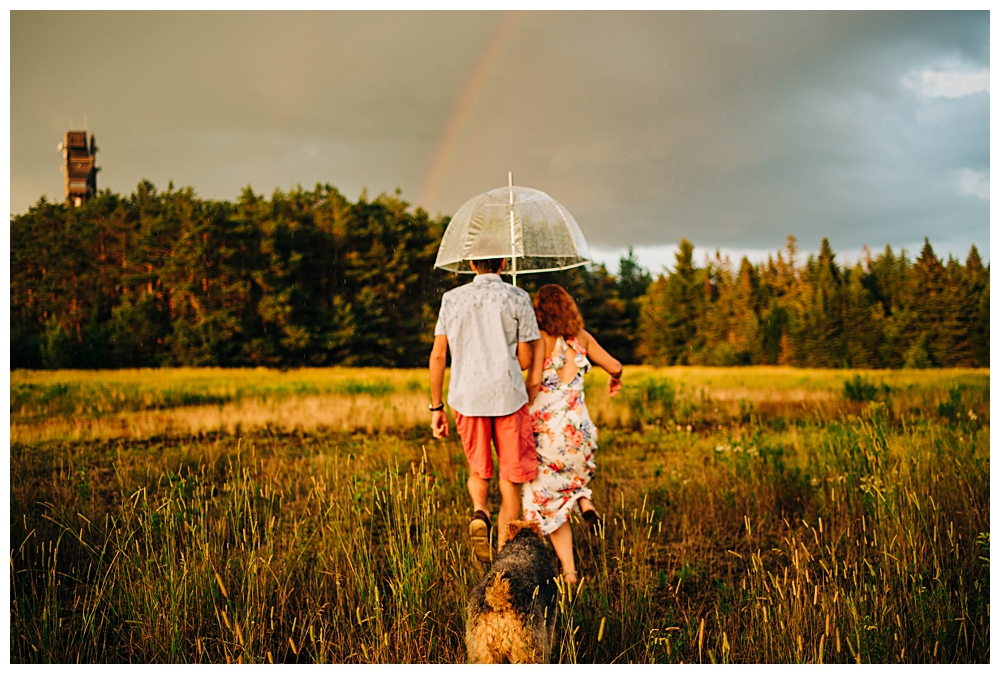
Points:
point(525, 355)
point(438, 361)
point(535, 374)
point(529, 338)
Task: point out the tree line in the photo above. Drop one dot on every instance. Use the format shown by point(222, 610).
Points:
point(310, 278)
point(881, 312)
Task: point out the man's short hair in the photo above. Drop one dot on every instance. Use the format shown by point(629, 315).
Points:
point(490, 266)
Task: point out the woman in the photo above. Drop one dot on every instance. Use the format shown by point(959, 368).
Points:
point(565, 437)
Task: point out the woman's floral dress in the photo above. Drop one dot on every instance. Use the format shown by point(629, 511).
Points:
point(565, 440)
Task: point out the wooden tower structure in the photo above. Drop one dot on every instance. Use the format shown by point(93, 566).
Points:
point(79, 166)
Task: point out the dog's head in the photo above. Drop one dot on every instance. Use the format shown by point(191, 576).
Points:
point(517, 526)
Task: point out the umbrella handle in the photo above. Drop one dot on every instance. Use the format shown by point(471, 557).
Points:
point(513, 246)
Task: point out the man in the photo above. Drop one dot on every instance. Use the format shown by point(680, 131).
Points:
point(491, 330)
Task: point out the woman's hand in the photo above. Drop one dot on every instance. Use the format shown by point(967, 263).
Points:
point(614, 386)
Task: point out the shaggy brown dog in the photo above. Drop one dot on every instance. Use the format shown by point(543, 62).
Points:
point(512, 609)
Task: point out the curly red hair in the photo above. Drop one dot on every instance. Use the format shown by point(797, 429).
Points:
point(556, 312)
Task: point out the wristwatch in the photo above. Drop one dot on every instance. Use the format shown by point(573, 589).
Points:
point(432, 408)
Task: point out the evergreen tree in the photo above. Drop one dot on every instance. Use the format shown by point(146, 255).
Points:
point(782, 290)
point(309, 278)
point(820, 339)
point(773, 328)
point(976, 287)
point(136, 332)
point(747, 335)
point(669, 318)
point(888, 283)
point(94, 351)
point(605, 313)
point(632, 282)
point(862, 321)
point(56, 350)
point(930, 307)
point(954, 347)
point(729, 328)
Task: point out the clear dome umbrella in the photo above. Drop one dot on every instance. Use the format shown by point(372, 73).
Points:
point(533, 231)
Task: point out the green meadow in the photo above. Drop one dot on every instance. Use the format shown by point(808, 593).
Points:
point(758, 514)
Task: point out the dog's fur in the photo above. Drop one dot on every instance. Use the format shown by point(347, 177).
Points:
point(512, 609)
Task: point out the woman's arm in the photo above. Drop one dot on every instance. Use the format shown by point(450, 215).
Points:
point(598, 356)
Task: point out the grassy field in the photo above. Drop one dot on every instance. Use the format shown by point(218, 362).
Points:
point(752, 515)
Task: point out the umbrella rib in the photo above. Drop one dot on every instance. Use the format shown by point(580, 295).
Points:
point(550, 238)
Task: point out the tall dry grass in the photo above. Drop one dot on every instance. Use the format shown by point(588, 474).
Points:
point(735, 532)
point(142, 404)
point(311, 414)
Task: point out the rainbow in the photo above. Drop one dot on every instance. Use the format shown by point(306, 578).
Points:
point(459, 118)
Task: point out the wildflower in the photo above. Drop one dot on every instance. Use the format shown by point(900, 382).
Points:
point(871, 483)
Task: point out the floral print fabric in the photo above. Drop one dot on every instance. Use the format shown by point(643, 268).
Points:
point(565, 440)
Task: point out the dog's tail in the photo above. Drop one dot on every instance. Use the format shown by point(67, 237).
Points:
point(498, 592)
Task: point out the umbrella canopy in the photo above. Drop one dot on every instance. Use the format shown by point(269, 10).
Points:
point(533, 231)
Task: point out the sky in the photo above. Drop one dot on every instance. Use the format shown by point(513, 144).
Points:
point(733, 130)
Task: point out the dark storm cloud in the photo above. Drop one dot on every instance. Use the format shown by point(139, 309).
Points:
point(222, 100)
point(738, 131)
point(730, 129)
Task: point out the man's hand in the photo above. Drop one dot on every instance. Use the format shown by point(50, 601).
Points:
point(439, 424)
point(614, 386)
point(439, 354)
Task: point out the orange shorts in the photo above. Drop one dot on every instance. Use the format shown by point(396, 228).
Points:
point(514, 440)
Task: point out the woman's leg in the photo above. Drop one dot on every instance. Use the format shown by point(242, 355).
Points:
point(589, 512)
point(562, 541)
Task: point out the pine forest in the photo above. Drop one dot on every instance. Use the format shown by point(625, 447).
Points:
point(309, 278)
